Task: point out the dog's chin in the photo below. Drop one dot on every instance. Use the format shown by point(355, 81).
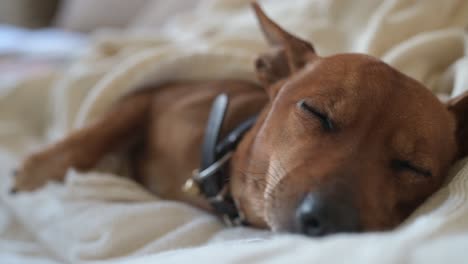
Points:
point(277, 219)
point(275, 226)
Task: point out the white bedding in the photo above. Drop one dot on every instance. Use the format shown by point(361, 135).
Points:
point(106, 218)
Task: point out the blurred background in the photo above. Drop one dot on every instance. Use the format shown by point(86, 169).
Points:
point(36, 35)
point(87, 15)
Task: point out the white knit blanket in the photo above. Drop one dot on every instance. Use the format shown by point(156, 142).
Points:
point(102, 217)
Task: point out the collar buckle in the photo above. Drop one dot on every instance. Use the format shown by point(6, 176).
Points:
point(193, 185)
point(200, 176)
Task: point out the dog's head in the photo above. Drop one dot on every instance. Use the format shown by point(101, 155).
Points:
point(347, 143)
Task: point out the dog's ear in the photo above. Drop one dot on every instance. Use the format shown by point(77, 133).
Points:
point(459, 107)
point(289, 53)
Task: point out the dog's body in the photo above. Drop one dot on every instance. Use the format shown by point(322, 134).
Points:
point(342, 143)
point(162, 135)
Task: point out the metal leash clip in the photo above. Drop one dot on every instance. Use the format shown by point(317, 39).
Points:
point(192, 185)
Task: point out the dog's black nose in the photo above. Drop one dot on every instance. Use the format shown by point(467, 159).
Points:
point(319, 215)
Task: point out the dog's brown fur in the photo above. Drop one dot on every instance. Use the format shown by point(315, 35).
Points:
point(390, 146)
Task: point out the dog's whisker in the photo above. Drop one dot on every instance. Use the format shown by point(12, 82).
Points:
point(280, 164)
point(275, 174)
point(259, 181)
point(250, 172)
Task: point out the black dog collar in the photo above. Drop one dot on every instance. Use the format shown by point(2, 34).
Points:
point(211, 178)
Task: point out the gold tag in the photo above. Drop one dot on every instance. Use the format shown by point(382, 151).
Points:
point(191, 187)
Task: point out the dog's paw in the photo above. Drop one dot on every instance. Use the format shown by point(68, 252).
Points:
point(37, 170)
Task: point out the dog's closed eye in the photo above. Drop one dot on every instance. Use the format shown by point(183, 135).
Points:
point(324, 119)
point(405, 165)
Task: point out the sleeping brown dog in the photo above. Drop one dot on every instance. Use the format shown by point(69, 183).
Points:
point(341, 144)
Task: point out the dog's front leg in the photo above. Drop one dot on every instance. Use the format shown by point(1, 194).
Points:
point(84, 148)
